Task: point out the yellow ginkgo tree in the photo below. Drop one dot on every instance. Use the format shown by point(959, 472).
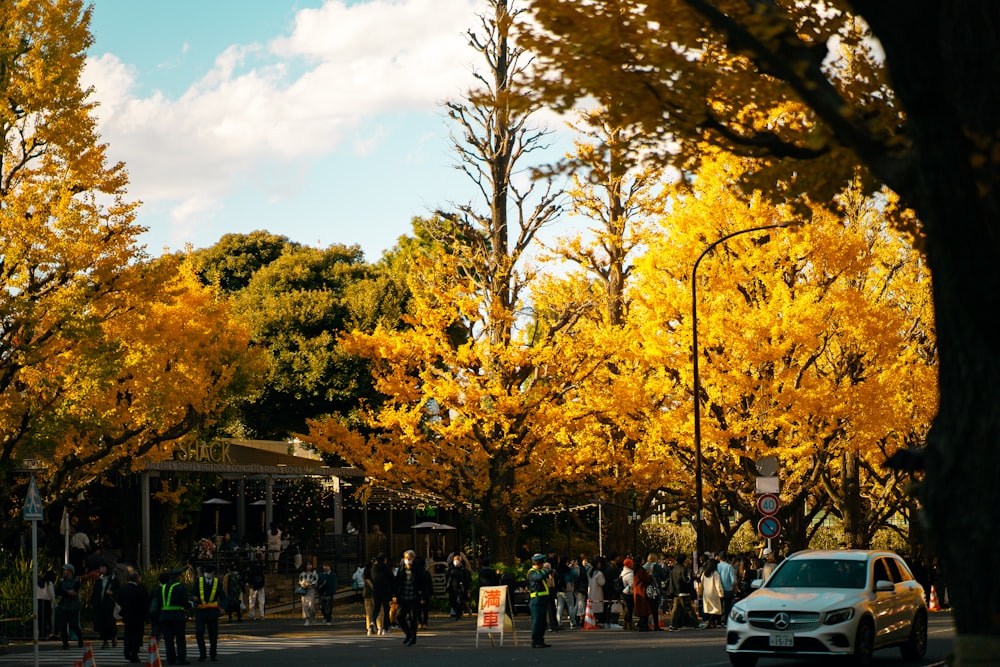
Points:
point(619, 460)
point(104, 355)
point(475, 382)
point(815, 346)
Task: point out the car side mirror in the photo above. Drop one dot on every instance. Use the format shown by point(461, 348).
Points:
point(883, 586)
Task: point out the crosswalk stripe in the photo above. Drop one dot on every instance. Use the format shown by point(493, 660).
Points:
point(51, 654)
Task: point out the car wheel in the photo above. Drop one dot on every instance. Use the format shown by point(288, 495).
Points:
point(916, 646)
point(864, 644)
point(742, 660)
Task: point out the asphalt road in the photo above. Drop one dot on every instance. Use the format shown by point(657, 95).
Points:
point(283, 640)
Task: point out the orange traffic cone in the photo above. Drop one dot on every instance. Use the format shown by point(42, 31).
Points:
point(88, 655)
point(933, 604)
point(589, 620)
point(153, 654)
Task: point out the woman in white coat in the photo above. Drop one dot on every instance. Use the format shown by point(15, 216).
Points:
point(711, 594)
point(595, 591)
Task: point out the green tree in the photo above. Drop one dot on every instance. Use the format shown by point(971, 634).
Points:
point(297, 300)
point(231, 263)
point(296, 307)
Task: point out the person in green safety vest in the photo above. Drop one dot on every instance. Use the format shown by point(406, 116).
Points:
point(208, 595)
point(172, 605)
point(538, 592)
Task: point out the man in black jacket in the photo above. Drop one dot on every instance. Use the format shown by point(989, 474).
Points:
point(412, 584)
point(134, 601)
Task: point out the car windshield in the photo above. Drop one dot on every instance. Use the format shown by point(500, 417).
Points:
point(819, 573)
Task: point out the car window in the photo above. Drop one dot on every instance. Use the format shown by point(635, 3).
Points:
point(819, 573)
point(881, 571)
point(902, 570)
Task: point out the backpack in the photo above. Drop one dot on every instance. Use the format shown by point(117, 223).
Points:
point(652, 592)
point(617, 587)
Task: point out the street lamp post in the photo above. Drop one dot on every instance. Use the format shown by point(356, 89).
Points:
point(699, 532)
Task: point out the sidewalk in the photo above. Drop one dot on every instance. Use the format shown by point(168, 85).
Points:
point(348, 617)
point(282, 620)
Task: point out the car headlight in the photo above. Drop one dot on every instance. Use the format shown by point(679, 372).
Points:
point(839, 616)
point(737, 615)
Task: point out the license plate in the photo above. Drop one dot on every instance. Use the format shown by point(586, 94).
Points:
point(785, 640)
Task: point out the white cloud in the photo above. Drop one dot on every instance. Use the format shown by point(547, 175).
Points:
point(263, 107)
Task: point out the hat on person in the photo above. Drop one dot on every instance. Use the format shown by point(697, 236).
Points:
point(538, 557)
point(176, 572)
point(767, 551)
point(67, 566)
point(628, 562)
point(208, 567)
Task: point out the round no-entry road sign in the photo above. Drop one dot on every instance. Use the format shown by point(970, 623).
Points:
point(767, 504)
point(769, 527)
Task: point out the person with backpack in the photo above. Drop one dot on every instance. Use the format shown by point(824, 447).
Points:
point(645, 597)
point(656, 589)
point(567, 572)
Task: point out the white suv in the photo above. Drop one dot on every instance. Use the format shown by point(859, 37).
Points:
point(826, 603)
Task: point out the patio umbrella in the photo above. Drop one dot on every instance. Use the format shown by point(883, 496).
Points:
point(431, 527)
point(262, 504)
point(216, 502)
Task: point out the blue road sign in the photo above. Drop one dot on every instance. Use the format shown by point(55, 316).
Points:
point(769, 527)
point(33, 510)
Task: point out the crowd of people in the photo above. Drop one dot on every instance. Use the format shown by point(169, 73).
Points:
point(651, 593)
point(657, 592)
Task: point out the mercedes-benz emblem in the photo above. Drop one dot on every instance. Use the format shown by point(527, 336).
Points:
point(782, 621)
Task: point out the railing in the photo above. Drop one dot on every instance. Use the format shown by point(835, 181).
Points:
point(16, 620)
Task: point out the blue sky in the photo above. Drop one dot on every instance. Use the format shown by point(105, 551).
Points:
point(317, 120)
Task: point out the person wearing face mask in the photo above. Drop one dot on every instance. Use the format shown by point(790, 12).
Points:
point(411, 586)
point(458, 583)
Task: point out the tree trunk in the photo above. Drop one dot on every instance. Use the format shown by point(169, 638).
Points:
point(850, 502)
point(944, 60)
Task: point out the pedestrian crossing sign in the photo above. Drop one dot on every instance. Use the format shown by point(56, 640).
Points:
point(33, 503)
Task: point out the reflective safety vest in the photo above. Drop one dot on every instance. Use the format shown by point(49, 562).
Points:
point(166, 592)
point(212, 600)
point(544, 583)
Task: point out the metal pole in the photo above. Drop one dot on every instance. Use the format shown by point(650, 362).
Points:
point(600, 528)
point(699, 532)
